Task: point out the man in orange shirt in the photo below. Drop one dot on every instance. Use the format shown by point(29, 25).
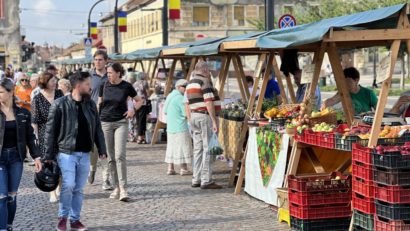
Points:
point(23, 92)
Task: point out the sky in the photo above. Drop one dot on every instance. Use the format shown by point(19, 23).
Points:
point(59, 22)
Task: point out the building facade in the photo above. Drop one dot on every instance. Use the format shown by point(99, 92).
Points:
point(10, 50)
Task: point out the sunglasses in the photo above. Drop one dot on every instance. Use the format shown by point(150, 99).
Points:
point(24, 80)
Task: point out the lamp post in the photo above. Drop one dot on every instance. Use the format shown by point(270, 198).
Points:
point(89, 17)
point(269, 14)
point(116, 47)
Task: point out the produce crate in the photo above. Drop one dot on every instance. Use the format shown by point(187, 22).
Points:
point(383, 224)
point(393, 194)
point(363, 220)
point(320, 198)
point(362, 203)
point(392, 211)
point(392, 176)
point(361, 154)
point(364, 171)
point(340, 224)
point(320, 212)
point(363, 187)
point(325, 139)
point(310, 137)
point(394, 157)
point(388, 141)
point(320, 182)
point(345, 143)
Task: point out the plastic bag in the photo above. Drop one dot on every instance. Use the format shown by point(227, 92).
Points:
point(215, 148)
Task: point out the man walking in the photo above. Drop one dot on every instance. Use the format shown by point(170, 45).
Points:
point(73, 127)
point(204, 103)
point(98, 78)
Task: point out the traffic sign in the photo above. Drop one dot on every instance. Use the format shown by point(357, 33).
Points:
point(286, 21)
point(88, 46)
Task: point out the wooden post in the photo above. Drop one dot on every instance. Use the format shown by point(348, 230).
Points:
point(240, 65)
point(257, 73)
point(291, 90)
point(341, 83)
point(168, 87)
point(278, 75)
point(183, 67)
point(381, 104)
point(142, 66)
point(318, 60)
point(154, 73)
point(148, 73)
point(222, 77)
point(240, 75)
point(265, 80)
point(194, 60)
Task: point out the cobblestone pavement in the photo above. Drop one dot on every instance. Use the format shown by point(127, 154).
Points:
point(159, 202)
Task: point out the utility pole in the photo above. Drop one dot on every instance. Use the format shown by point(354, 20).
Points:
point(116, 46)
point(165, 24)
point(89, 17)
point(269, 14)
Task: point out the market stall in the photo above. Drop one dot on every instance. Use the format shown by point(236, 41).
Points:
point(315, 149)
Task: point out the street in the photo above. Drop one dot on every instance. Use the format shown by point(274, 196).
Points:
point(159, 202)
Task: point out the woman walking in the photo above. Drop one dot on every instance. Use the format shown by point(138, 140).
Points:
point(23, 92)
point(180, 150)
point(16, 134)
point(141, 86)
point(114, 113)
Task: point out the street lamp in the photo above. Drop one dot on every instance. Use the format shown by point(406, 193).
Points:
point(269, 14)
point(89, 17)
point(116, 49)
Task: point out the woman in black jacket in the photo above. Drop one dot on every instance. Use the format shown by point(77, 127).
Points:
point(16, 134)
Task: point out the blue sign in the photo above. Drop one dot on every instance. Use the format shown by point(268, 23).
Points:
point(88, 42)
point(286, 21)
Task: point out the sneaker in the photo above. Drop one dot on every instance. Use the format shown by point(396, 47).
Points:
point(77, 226)
point(211, 186)
point(62, 224)
point(91, 177)
point(184, 172)
point(115, 194)
point(195, 185)
point(107, 186)
point(124, 196)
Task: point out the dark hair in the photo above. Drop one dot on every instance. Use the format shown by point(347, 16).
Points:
point(101, 52)
point(78, 77)
point(7, 84)
point(249, 79)
point(51, 67)
point(352, 73)
point(44, 79)
point(117, 67)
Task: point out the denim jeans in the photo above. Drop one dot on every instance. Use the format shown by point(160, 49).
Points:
point(74, 171)
point(11, 170)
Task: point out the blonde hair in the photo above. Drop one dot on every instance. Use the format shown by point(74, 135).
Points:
point(66, 83)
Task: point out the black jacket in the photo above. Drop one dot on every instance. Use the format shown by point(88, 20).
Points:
point(62, 127)
point(25, 133)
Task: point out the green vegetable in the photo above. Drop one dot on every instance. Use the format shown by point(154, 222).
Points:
point(216, 151)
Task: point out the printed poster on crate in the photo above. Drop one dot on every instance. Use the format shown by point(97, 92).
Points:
point(254, 184)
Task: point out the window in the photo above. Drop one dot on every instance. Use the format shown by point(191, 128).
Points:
point(201, 16)
point(262, 13)
point(288, 9)
point(239, 16)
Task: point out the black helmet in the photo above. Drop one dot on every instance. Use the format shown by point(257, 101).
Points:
point(48, 178)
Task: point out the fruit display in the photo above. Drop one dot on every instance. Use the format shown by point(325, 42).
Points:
point(234, 111)
point(387, 132)
point(281, 113)
point(324, 112)
point(323, 127)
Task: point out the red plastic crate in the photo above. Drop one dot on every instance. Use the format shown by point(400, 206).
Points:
point(361, 154)
point(362, 170)
point(363, 187)
point(320, 182)
point(325, 139)
point(393, 194)
point(363, 204)
point(320, 198)
point(319, 212)
point(310, 137)
point(382, 224)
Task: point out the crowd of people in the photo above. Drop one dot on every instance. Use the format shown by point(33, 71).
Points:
point(80, 118)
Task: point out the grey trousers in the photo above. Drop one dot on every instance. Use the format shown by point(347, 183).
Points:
point(103, 164)
point(115, 134)
point(201, 126)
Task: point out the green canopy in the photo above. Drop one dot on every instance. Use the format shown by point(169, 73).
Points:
point(213, 48)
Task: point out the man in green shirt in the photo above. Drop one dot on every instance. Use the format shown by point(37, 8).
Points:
point(363, 99)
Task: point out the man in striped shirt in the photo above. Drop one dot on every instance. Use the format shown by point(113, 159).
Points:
point(204, 104)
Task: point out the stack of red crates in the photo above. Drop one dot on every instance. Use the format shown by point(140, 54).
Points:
point(362, 187)
point(392, 187)
point(320, 200)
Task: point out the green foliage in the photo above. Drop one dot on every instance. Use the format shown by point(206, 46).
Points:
point(328, 88)
point(257, 23)
point(392, 92)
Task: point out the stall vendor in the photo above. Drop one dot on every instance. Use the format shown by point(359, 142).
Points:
point(402, 106)
point(300, 93)
point(363, 99)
